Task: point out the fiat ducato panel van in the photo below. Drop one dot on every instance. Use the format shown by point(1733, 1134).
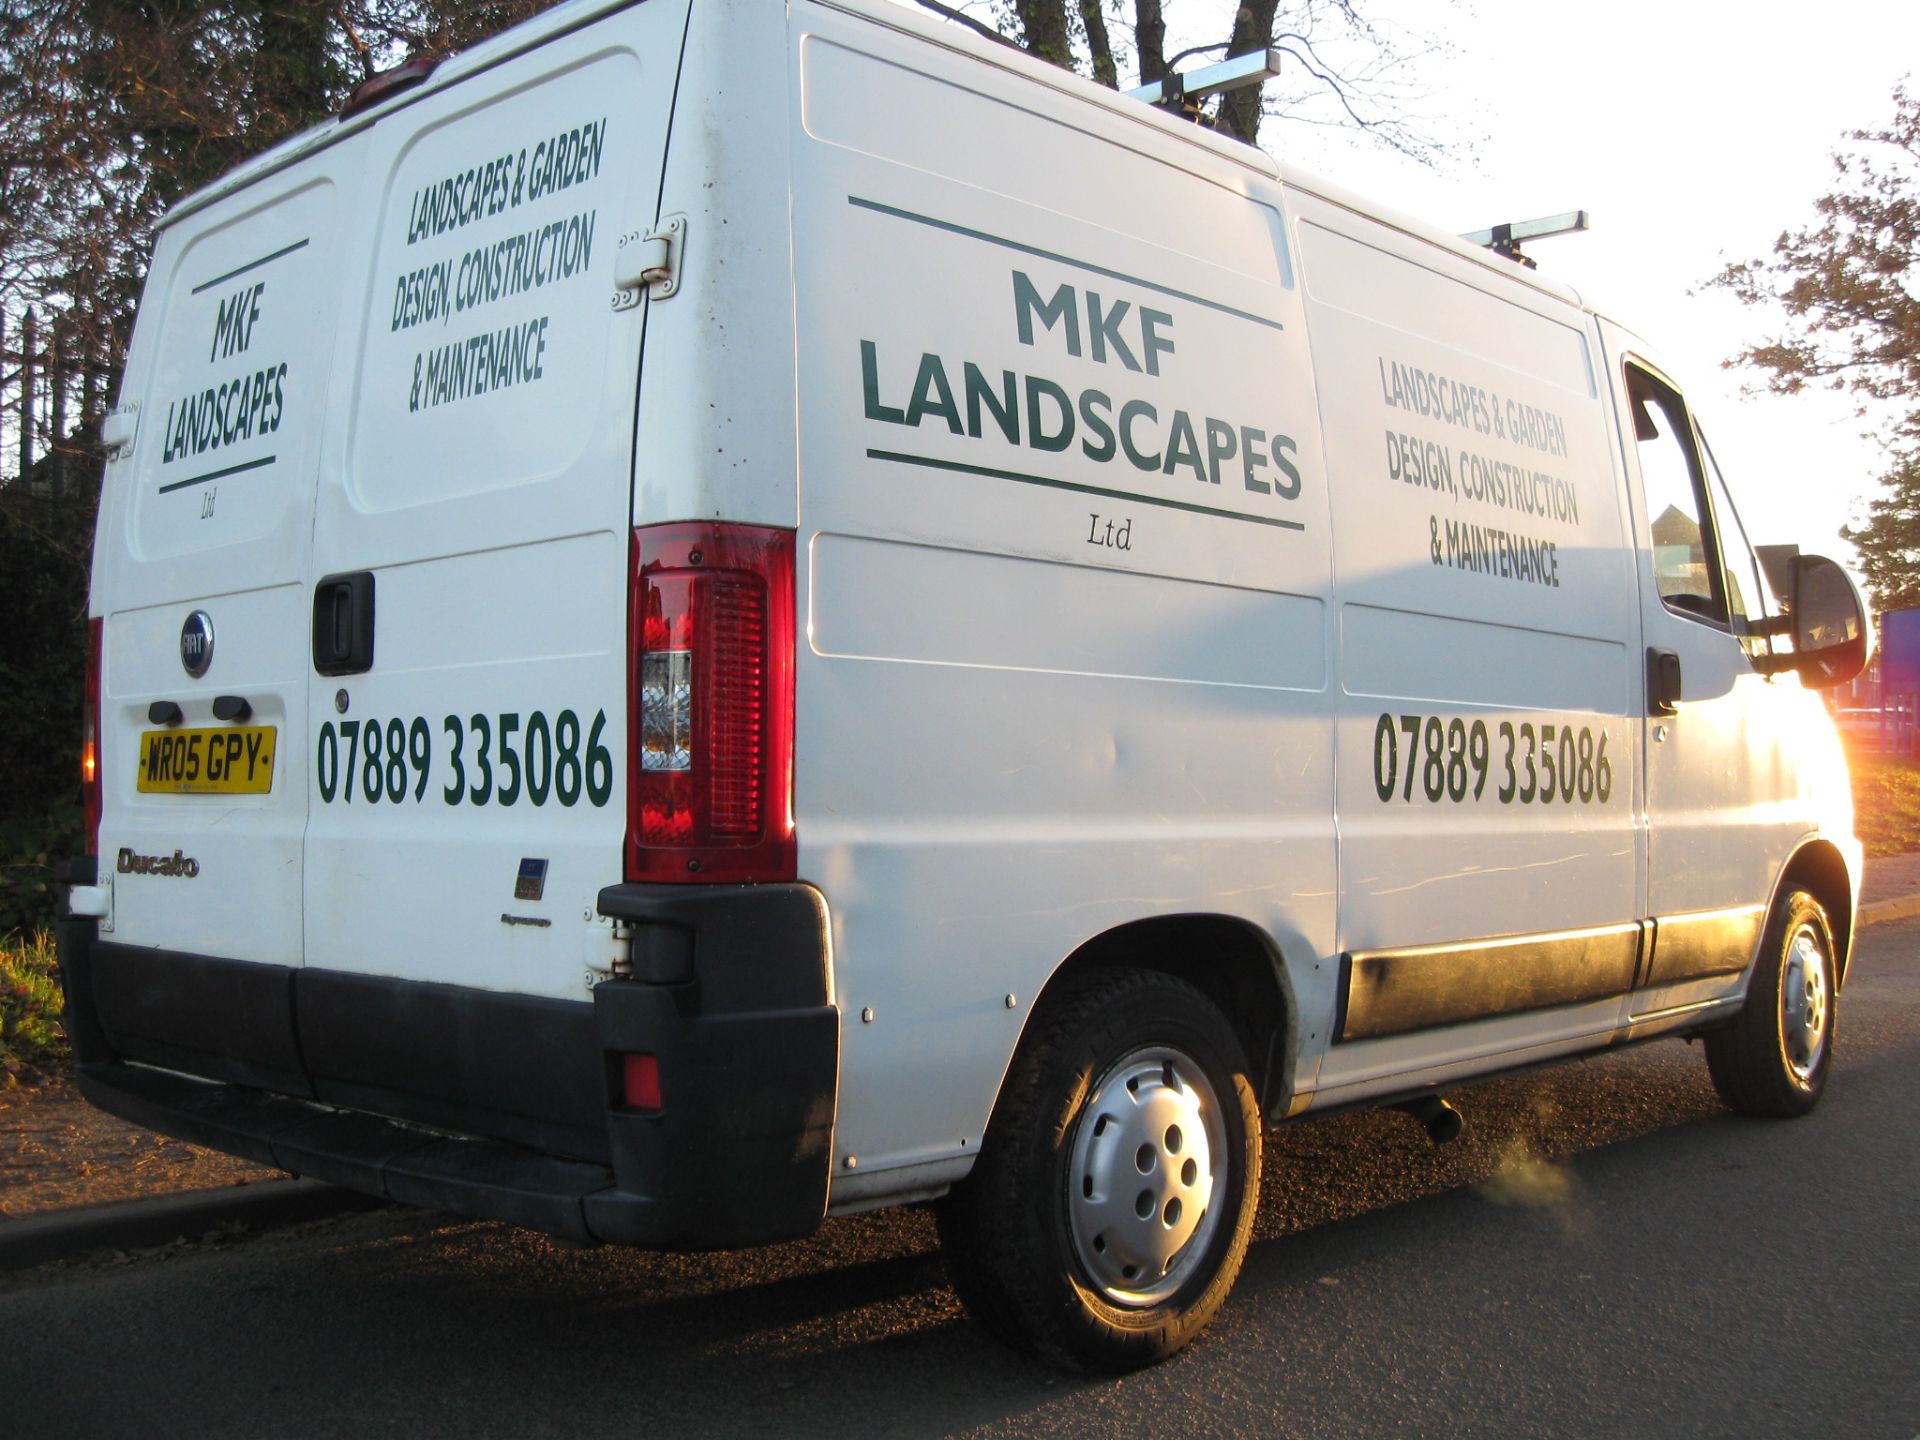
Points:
point(715, 614)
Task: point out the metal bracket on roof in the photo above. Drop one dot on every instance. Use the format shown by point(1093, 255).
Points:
point(1182, 92)
point(1505, 239)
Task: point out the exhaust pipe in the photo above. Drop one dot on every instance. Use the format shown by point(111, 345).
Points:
point(1442, 1121)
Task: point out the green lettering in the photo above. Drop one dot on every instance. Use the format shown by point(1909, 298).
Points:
point(1151, 341)
point(1037, 435)
point(1002, 405)
point(870, 382)
point(933, 395)
point(1103, 327)
point(1130, 412)
point(1250, 442)
point(1221, 445)
point(1183, 448)
point(1027, 303)
point(1290, 490)
point(1091, 403)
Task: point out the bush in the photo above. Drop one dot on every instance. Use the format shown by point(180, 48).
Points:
point(33, 1043)
point(43, 594)
point(33, 851)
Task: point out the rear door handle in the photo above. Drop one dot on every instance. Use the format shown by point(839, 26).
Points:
point(343, 624)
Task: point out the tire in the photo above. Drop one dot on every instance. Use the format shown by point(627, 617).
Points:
point(1111, 1206)
point(1773, 1058)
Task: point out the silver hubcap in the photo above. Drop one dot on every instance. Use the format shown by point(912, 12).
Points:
point(1149, 1145)
point(1804, 1003)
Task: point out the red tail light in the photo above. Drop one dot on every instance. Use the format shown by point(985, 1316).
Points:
point(711, 691)
point(90, 741)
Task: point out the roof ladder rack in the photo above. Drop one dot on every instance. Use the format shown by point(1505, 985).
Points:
point(1505, 239)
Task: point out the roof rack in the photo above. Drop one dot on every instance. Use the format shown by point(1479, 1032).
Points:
point(1182, 92)
point(1505, 239)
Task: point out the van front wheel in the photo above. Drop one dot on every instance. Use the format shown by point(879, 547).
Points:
point(1112, 1203)
point(1774, 1056)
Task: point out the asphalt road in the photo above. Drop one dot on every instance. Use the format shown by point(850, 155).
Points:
point(1605, 1252)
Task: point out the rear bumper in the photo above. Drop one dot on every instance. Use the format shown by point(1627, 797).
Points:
point(503, 1107)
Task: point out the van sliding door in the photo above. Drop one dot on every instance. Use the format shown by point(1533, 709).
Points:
point(1488, 649)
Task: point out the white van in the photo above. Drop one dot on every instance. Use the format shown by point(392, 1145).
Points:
point(716, 614)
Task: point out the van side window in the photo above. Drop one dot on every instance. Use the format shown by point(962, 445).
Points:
point(1683, 548)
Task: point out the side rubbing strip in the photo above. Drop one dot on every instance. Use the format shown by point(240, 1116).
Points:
point(1708, 942)
point(1389, 992)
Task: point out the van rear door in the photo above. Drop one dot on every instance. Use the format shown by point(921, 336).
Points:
point(200, 580)
point(468, 787)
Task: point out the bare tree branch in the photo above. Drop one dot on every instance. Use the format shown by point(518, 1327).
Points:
point(961, 18)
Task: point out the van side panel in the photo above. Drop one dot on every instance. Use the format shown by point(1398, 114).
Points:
point(715, 437)
point(1064, 560)
point(1487, 769)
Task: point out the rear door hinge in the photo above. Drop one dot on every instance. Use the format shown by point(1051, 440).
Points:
point(610, 952)
point(649, 264)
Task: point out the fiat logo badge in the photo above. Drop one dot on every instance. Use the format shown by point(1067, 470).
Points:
point(196, 643)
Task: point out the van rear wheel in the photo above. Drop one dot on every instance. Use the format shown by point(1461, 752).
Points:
point(1113, 1200)
point(1773, 1058)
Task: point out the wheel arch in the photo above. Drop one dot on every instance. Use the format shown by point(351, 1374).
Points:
point(1820, 869)
point(1231, 961)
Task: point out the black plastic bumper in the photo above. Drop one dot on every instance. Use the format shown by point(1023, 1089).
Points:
point(336, 1076)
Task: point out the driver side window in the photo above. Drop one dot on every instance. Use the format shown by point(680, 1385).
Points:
point(1685, 561)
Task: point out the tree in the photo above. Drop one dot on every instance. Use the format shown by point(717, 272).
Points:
point(1848, 287)
point(1344, 68)
point(110, 112)
point(1847, 284)
point(1888, 543)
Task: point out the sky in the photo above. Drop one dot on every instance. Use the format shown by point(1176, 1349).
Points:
point(1693, 132)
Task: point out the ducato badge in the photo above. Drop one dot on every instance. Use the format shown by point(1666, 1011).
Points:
point(183, 866)
point(196, 643)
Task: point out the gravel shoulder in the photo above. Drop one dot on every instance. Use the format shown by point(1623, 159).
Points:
point(57, 1152)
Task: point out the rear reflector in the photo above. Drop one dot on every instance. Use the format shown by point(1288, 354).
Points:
point(640, 1082)
point(712, 695)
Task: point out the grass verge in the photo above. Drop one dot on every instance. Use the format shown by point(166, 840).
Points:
point(1886, 803)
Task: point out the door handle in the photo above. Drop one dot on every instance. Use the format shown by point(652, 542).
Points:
point(343, 624)
point(1663, 682)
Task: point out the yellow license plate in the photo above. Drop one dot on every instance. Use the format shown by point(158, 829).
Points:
point(232, 760)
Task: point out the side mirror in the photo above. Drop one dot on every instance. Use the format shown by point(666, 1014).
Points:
point(1827, 617)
